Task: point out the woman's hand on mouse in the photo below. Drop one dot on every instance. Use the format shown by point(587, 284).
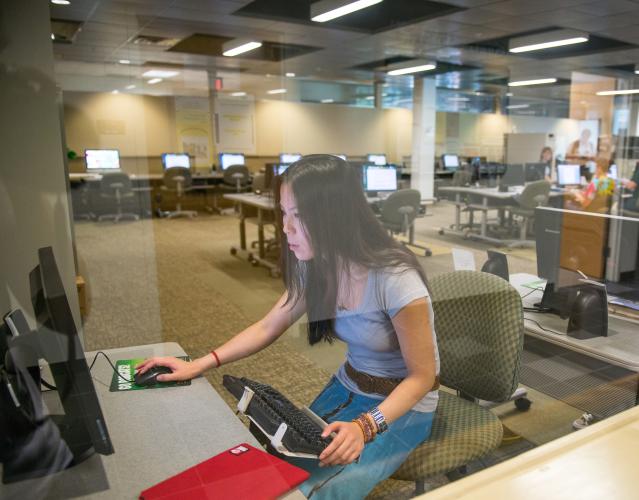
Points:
point(181, 370)
point(346, 446)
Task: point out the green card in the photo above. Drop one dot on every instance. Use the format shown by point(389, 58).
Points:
point(126, 368)
point(535, 285)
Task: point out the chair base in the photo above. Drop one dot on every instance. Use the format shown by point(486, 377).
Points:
point(181, 213)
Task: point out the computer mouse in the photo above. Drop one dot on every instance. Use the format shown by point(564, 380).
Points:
point(149, 377)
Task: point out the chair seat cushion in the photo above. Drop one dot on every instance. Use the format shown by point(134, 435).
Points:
point(462, 431)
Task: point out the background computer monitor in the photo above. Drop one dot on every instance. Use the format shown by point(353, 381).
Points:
point(83, 426)
point(343, 157)
point(450, 162)
point(536, 171)
point(287, 158)
point(514, 175)
point(380, 178)
point(568, 174)
point(170, 160)
point(613, 171)
point(102, 159)
point(376, 159)
point(228, 159)
point(281, 169)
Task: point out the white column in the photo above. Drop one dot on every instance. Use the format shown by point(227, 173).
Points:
point(423, 160)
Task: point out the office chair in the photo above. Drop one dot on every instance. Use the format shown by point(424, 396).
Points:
point(236, 180)
point(116, 187)
point(259, 183)
point(398, 213)
point(534, 195)
point(480, 334)
point(178, 179)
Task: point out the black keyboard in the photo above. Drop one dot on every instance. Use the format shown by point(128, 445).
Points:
point(269, 408)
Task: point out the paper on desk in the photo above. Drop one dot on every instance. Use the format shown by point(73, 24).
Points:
point(535, 285)
point(463, 260)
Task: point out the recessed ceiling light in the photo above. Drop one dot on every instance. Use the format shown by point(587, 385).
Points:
point(153, 81)
point(116, 91)
point(276, 91)
point(130, 87)
point(618, 92)
point(290, 75)
point(518, 106)
point(160, 73)
point(52, 36)
point(539, 81)
point(124, 61)
point(509, 94)
point(238, 94)
point(547, 40)
point(61, 2)
point(327, 10)
point(370, 97)
point(459, 99)
point(327, 101)
point(239, 46)
point(412, 69)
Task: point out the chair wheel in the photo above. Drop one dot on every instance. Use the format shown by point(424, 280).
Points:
point(254, 263)
point(523, 404)
point(428, 253)
point(233, 251)
point(441, 232)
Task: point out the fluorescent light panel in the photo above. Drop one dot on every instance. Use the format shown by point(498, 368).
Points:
point(153, 81)
point(238, 94)
point(518, 106)
point(327, 101)
point(327, 10)
point(276, 91)
point(61, 2)
point(547, 40)
point(290, 75)
point(618, 92)
point(124, 61)
point(159, 73)
point(237, 47)
point(539, 81)
point(412, 69)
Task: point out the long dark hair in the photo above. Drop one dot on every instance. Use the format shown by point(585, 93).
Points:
point(342, 230)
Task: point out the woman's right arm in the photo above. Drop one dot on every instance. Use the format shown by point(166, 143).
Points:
point(249, 341)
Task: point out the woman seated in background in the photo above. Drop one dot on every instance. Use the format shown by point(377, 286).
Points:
point(597, 196)
point(360, 286)
point(546, 157)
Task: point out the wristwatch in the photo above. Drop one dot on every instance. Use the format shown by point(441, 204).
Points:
point(380, 421)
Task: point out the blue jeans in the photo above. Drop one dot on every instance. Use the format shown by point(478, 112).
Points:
point(379, 459)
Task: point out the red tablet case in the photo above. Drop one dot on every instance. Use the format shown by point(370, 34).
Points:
point(241, 472)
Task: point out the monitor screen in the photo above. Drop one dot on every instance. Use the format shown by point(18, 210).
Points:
point(514, 175)
point(343, 157)
point(102, 159)
point(380, 178)
point(568, 174)
point(287, 158)
point(281, 169)
point(613, 171)
point(376, 159)
point(170, 160)
point(84, 426)
point(450, 162)
point(228, 159)
point(537, 171)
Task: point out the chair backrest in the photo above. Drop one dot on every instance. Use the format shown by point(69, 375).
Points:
point(480, 333)
point(177, 175)
point(534, 195)
point(259, 182)
point(234, 172)
point(461, 178)
point(115, 181)
point(392, 212)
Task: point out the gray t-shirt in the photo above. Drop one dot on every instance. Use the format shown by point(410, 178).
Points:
point(373, 346)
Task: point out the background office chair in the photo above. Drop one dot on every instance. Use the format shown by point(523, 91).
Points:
point(534, 195)
point(398, 213)
point(116, 187)
point(236, 180)
point(480, 334)
point(259, 183)
point(178, 180)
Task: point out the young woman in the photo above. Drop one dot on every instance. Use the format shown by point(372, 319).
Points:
point(358, 285)
point(597, 196)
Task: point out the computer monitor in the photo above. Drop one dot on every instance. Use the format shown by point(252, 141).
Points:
point(536, 171)
point(288, 158)
point(343, 157)
point(568, 174)
point(281, 169)
point(170, 160)
point(513, 176)
point(98, 160)
point(376, 159)
point(228, 159)
point(83, 426)
point(450, 162)
point(613, 172)
point(380, 178)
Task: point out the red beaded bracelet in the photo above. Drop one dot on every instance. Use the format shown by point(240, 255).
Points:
point(217, 359)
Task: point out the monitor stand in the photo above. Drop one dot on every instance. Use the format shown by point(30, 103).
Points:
point(75, 435)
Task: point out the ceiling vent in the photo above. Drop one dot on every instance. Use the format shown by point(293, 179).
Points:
point(155, 41)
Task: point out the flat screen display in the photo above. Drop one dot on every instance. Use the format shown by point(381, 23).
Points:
point(102, 159)
point(343, 157)
point(568, 174)
point(380, 178)
point(613, 172)
point(170, 160)
point(228, 159)
point(287, 158)
point(281, 169)
point(376, 159)
point(450, 162)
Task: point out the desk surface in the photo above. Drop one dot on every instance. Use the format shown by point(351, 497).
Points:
point(252, 199)
point(156, 433)
point(493, 192)
point(620, 347)
point(143, 177)
point(598, 462)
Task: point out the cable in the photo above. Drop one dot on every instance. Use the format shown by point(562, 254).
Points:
point(49, 386)
point(544, 329)
point(112, 366)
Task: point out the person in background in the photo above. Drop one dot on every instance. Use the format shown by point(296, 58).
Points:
point(546, 157)
point(632, 203)
point(597, 196)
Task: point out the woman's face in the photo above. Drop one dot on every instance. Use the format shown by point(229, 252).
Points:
point(546, 155)
point(296, 236)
